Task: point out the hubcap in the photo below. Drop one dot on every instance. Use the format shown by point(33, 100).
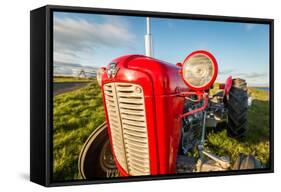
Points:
point(106, 158)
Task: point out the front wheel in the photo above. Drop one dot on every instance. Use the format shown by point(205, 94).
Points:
point(96, 159)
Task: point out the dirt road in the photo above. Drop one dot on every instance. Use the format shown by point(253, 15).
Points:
point(59, 88)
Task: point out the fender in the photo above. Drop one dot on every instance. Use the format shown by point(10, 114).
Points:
point(227, 87)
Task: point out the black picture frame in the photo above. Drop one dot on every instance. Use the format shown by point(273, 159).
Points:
point(41, 92)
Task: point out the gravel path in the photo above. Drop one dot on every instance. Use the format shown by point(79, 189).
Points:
point(59, 88)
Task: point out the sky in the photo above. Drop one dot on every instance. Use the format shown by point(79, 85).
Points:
point(91, 40)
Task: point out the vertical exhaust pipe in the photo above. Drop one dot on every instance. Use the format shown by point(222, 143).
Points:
point(148, 39)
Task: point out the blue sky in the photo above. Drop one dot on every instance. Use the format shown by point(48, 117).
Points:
point(241, 49)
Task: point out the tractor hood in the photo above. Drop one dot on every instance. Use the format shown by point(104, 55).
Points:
point(164, 77)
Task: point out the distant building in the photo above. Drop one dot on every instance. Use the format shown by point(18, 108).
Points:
point(74, 70)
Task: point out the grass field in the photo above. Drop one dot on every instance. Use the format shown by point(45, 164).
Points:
point(66, 79)
point(78, 113)
point(256, 141)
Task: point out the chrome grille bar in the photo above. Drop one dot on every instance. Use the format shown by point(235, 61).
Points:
point(115, 124)
point(126, 113)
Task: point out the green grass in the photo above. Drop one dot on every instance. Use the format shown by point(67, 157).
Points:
point(76, 115)
point(256, 141)
point(66, 79)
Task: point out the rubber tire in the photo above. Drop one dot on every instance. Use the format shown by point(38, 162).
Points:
point(237, 105)
point(89, 159)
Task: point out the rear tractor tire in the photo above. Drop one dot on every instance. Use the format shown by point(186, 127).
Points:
point(96, 160)
point(237, 105)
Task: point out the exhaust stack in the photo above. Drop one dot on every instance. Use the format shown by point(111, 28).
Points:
point(148, 39)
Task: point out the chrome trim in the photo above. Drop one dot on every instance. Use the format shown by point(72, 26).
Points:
point(126, 114)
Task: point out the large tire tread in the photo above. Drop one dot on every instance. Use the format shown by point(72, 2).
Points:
point(237, 105)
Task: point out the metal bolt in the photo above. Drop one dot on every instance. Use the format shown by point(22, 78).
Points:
point(138, 90)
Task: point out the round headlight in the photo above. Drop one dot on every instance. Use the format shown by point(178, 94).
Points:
point(100, 71)
point(199, 70)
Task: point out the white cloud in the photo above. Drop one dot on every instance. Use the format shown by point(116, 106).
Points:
point(252, 75)
point(249, 26)
point(78, 39)
point(71, 69)
point(252, 78)
point(225, 72)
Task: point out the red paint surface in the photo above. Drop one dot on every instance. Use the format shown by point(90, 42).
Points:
point(228, 85)
point(161, 84)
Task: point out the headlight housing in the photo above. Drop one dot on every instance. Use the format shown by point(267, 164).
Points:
point(199, 70)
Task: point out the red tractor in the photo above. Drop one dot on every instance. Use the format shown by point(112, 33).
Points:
point(157, 114)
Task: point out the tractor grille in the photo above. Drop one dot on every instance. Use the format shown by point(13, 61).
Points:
point(126, 114)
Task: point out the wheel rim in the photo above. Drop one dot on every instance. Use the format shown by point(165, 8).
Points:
point(96, 162)
point(106, 158)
